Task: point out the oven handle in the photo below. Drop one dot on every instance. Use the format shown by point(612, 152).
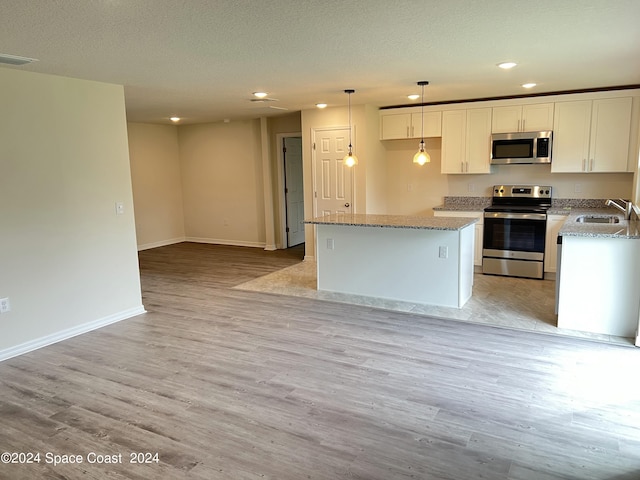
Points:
point(516, 216)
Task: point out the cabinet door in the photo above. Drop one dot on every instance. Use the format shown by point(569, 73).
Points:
point(395, 126)
point(506, 119)
point(454, 128)
point(554, 223)
point(571, 126)
point(610, 130)
point(537, 117)
point(478, 140)
point(432, 124)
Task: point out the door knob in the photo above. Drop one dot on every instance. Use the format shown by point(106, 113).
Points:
point(346, 204)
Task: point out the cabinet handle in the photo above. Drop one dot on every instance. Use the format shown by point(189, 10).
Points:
point(408, 136)
point(591, 165)
point(462, 167)
point(584, 164)
point(523, 120)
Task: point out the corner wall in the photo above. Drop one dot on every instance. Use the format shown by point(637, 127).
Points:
point(157, 181)
point(69, 262)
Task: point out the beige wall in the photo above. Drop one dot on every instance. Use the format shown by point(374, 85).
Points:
point(221, 169)
point(68, 262)
point(156, 176)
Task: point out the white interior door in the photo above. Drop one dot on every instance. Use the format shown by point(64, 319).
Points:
point(294, 193)
point(333, 181)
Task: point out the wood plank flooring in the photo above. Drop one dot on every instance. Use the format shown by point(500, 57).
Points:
point(231, 384)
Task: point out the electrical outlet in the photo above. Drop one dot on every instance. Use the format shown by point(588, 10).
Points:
point(5, 306)
point(330, 244)
point(577, 188)
point(443, 252)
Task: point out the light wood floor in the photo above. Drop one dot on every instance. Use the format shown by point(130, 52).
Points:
point(231, 384)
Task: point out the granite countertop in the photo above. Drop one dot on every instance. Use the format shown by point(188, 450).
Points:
point(394, 221)
point(571, 208)
point(625, 229)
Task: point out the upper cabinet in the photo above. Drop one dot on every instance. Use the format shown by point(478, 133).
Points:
point(466, 141)
point(522, 118)
point(394, 126)
point(592, 135)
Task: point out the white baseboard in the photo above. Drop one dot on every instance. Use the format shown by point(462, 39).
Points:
point(161, 243)
point(234, 243)
point(69, 333)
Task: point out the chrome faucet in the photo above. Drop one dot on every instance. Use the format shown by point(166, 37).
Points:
point(627, 208)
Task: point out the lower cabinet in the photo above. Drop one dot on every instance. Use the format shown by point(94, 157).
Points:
point(479, 228)
point(554, 223)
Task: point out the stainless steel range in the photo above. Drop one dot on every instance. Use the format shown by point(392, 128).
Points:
point(515, 228)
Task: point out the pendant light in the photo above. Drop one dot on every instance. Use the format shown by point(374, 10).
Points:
point(422, 156)
point(350, 159)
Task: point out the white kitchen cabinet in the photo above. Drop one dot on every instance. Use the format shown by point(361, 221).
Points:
point(592, 136)
point(479, 229)
point(466, 141)
point(522, 118)
point(396, 126)
point(554, 223)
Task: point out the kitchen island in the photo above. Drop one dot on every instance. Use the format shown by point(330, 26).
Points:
point(426, 260)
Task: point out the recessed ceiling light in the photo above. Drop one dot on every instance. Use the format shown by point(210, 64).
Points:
point(15, 59)
point(529, 85)
point(413, 96)
point(321, 105)
point(175, 119)
point(260, 94)
point(507, 65)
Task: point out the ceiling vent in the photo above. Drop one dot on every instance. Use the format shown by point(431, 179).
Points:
point(15, 60)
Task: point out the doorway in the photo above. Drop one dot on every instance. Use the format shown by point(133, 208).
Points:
point(292, 181)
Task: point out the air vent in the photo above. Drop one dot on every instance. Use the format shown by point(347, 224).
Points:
point(15, 60)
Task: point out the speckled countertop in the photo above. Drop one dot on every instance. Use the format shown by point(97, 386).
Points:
point(625, 229)
point(572, 208)
point(394, 221)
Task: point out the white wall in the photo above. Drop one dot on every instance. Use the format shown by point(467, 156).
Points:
point(68, 263)
point(223, 193)
point(157, 181)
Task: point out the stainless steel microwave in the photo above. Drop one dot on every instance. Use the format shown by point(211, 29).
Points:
point(521, 147)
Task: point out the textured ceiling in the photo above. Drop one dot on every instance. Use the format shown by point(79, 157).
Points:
point(202, 59)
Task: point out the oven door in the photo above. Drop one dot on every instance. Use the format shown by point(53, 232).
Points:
point(514, 235)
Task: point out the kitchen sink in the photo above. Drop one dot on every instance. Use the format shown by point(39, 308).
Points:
point(597, 219)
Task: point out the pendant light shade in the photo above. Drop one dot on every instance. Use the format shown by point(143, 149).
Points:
point(422, 156)
point(350, 159)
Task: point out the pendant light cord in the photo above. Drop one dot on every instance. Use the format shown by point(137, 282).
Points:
point(422, 116)
point(350, 146)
